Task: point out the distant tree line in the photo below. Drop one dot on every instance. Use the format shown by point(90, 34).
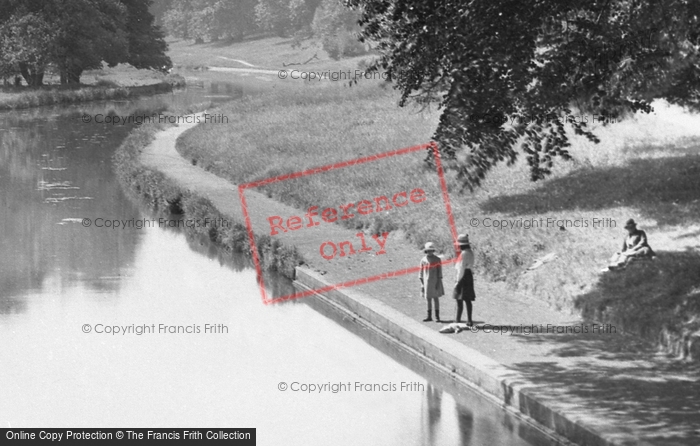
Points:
point(71, 36)
point(334, 24)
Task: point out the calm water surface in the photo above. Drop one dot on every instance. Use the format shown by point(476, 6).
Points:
point(57, 275)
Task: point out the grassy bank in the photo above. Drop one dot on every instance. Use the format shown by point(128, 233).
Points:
point(15, 98)
point(647, 168)
point(261, 53)
point(168, 199)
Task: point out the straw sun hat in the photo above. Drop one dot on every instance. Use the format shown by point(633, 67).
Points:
point(463, 240)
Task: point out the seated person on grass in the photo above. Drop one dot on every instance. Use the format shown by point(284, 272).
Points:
point(634, 247)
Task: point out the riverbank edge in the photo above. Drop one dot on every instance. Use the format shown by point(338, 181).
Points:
point(420, 363)
point(670, 328)
point(165, 198)
point(55, 96)
point(497, 382)
point(162, 195)
point(474, 372)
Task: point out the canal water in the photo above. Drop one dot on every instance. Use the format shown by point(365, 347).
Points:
point(64, 287)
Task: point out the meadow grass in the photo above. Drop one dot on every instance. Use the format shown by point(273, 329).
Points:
point(262, 52)
point(647, 168)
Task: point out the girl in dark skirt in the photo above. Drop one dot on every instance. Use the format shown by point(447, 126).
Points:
point(464, 283)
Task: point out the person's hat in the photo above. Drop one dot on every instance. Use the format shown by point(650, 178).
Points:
point(630, 224)
point(430, 246)
point(463, 239)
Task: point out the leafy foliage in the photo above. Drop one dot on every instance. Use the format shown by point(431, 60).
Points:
point(210, 19)
point(509, 74)
point(215, 19)
point(75, 35)
point(336, 27)
point(147, 46)
point(283, 17)
point(26, 41)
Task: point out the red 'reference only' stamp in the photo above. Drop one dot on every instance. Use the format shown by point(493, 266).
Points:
point(315, 216)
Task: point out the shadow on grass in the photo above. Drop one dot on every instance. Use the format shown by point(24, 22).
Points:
point(287, 41)
point(621, 377)
point(664, 189)
point(649, 297)
point(649, 398)
point(691, 234)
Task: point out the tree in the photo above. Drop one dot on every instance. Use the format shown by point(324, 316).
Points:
point(337, 28)
point(273, 15)
point(90, 33)
point(236, 19)
point(210, 19)
point(26, 43)
point(75, 35)
point(177, 19)
point(147, 46)
point(284, 17)
point(158, 8)
point(532, 63)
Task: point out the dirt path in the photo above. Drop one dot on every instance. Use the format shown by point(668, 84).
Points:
point(242, 62)
point(606, 377)
point(402, 291)
point(243, 70)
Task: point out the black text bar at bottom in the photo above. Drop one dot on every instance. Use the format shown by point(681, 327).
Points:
point(237, 436)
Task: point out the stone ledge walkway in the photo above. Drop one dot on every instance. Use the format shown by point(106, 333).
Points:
point(612, 382)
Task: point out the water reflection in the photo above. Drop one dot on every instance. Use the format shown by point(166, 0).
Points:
point(275, 285)
point(56, 276)
point(56, 170)
point(432, 408)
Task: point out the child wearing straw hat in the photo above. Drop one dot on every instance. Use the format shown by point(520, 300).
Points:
point(431, 280)
point(464, 283)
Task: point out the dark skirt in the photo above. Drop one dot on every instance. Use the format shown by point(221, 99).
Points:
point(464, 290)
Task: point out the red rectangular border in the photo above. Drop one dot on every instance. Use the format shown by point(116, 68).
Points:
point(256, 260)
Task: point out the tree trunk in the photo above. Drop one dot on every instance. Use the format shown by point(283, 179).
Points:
point(34, 78)
point(70, 74)
point(73, 76)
